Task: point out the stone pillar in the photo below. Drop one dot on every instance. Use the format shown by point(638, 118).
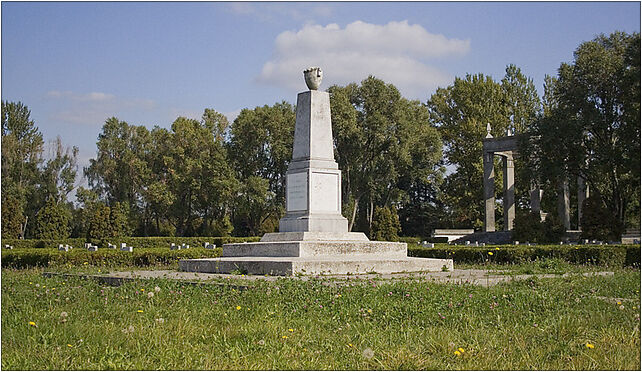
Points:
point(509, 190)
point(313, 178)
point(582, 194)
point(489, 192)
point(563, 203)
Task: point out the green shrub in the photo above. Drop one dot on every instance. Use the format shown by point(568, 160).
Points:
point(385, 225)
point(53, 221)
point(610, 256)
point(530, 228)
point(598, 222)
point(22, 258)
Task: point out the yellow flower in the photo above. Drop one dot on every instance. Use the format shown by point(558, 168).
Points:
point(284, 337)
point(490, 253)
point(349, 345)
point(85, 263)
point(496, 248)
point(461, 349)
point(33, 324)
point(291, 330)
point(590, 346)
point(142, 289)
point(370, 311)
point(619, 303)
point(139, 311)
point(457, 352)
point(238, 308)
point(69, 345)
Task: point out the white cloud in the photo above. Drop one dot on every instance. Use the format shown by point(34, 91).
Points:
point(95, 107)
point(396, 52)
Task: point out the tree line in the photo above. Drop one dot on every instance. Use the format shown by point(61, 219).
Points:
point(210, 177)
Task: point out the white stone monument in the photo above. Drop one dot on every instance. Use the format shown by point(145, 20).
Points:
point(313, 236)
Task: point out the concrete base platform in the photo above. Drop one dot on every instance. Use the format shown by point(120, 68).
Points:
point(314, 253)
point(319, 265)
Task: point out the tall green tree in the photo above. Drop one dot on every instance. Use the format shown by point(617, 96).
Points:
point(260, 145)
point(22, 148)
point(593, 126)
point(200, 177)
point(385, 147)
point(59, 173)
point(119, 170)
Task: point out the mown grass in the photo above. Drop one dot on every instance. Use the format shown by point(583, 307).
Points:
point(291, 324)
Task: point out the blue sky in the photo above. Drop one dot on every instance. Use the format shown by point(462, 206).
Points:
point(76, 64)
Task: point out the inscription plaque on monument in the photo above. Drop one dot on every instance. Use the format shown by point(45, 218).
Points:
point(297, 193)
point(324, 192)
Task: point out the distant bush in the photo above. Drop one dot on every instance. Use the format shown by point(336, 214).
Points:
point(604, 255)
point(385, 225)
point(598, 222)
point(530, 228)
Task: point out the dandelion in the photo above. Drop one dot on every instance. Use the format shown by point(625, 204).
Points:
point(238, 308)
point(368, 353)
point(619, 303)
point(284, 337)
point(369, 311)
point(150, 294)
point(69, 345)
point(291, 330)
point(85, 263)
point(157, 289)
point(139, 311)
point(497, 248)
point(457, 352)
point(461, 349)
point(33, 324)
point(490, 253)
point(590, 346)
point(349, 345)
point(142, 289)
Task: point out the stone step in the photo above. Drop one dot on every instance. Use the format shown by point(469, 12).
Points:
point(315, 248)
point(313, 266)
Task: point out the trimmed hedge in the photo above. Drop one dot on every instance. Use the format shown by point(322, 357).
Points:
point(22, 258)
point(604, 255)
point(136, 242)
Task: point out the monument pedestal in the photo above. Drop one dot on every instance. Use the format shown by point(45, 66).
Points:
point(314, 253)
point(314, 237)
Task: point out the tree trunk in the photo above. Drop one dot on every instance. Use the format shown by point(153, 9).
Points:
point(354, 214)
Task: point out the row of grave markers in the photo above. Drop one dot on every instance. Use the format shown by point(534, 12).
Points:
point(123, 247)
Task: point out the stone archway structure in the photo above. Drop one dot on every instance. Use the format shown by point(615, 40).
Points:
point(507, 148)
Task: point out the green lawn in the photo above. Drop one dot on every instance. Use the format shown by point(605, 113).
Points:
point(539, 324)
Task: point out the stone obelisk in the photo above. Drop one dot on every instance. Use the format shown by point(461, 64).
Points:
point(313, 178)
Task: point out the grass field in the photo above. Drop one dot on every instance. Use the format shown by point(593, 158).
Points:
point(586, 323)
